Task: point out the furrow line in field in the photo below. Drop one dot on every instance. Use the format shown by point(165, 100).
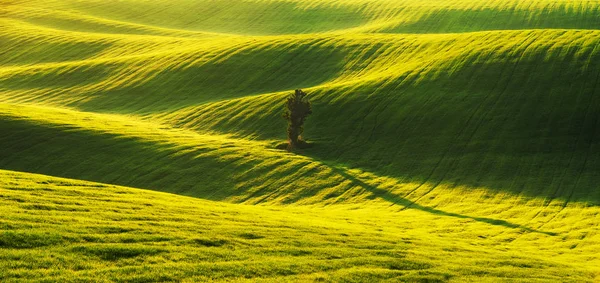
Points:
point(457, 137)
point(590, 143)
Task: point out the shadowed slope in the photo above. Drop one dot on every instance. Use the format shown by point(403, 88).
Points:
point(122, 150)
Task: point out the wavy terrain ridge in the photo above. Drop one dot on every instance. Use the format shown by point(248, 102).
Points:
point(471, 125)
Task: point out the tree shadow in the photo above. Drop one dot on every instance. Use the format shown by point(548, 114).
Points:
point(408, 204)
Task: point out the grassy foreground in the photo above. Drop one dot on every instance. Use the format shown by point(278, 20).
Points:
point(65, 230)
point(454, 140)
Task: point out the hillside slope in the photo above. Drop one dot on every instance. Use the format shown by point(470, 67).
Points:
point(466, 121)
point(510, 111)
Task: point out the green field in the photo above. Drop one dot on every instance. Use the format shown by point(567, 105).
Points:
point(453, 140)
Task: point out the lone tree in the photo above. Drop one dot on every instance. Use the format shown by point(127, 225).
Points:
point(297, 108)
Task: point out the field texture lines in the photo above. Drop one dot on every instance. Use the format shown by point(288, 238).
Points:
point(453, 140)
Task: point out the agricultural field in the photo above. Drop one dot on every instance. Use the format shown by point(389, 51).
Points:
point(451, 141)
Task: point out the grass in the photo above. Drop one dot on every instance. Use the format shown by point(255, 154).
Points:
point(453, 140)
point(87, 231)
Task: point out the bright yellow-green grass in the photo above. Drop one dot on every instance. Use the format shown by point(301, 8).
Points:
point(65, 230)
point(453, 140)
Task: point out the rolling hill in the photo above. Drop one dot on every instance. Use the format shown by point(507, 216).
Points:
point(453, 140)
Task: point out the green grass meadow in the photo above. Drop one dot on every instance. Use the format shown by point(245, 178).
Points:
point(452, 141)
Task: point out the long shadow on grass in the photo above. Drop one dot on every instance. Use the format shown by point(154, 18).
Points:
point(397, 200)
